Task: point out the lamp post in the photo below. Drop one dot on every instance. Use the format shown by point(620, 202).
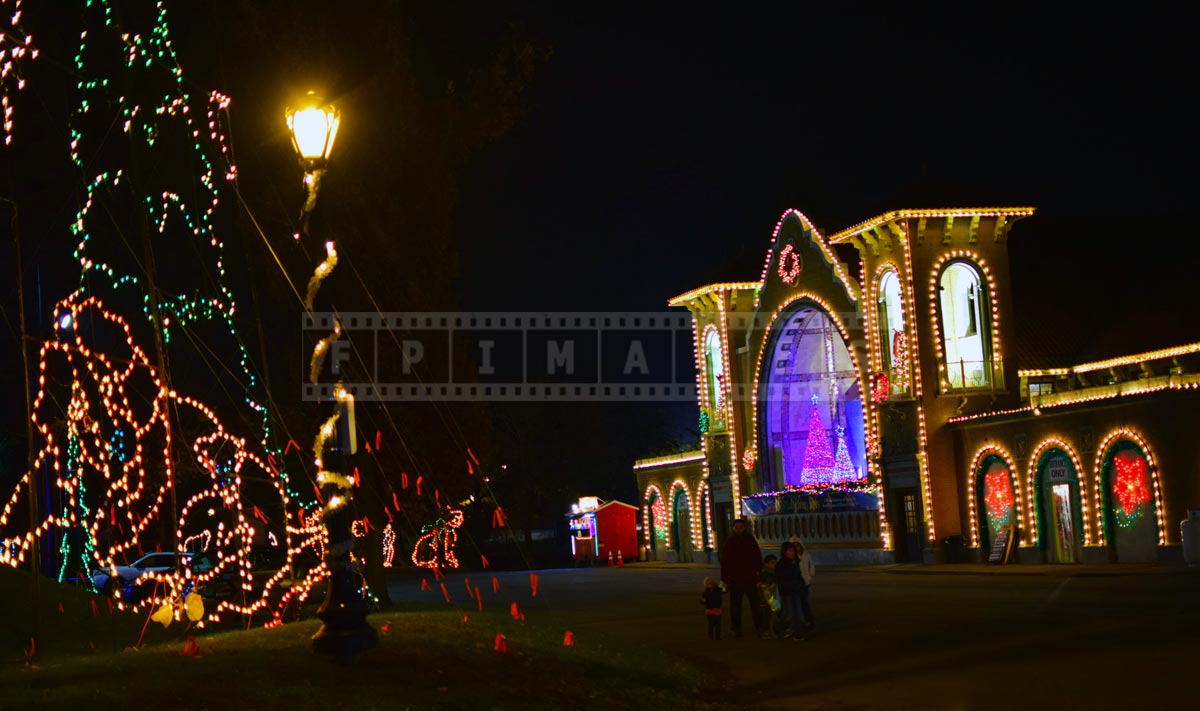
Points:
point(345, 633)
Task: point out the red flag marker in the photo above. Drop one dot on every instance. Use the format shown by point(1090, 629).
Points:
point(495, 584)
point(60, 607)
point(437, 497)
point(479, 599)
point(515, 611)
point(378, 440)
point(568, 639)
point(396, 498)
point(420, 480)
point(472, 455)
point(445, 592)
point(389, 514)
point(533, 581)
point(466, 619)
point(437, 573)
point(95, 610)
point(384, 629)
point(190, 648)
point(367, 444)
point(357, 478)
point(470, 468)
point(291, 443)
point(483, 559)
point(403, 484)
point(424, 584)
point(467, 582)
point(500, 645)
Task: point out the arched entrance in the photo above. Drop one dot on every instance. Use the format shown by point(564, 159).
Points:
point(1059, 512)
point(996, 498)
point(1130, 518)
point(810, 405)
point(681, 525)
point(656, 522)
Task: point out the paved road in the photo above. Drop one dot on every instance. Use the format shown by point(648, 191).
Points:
point(914, 637)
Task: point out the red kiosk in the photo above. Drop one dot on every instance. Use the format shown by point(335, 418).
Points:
point(598, 529)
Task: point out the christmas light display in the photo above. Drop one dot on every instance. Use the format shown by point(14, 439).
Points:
point(843, 468)
point(389, 545)
point(1130, 488)
point(1125, 439)
point(16, 48)
point(998, 495)
point(435, 548)
point(1055, 446)
point(749, 457)
point(881, 387)
point(818, 460)
point(111, 457)
point(789, 264)
point(989, 459)
point(976, 263)
point(900, 360)
point(704, 422)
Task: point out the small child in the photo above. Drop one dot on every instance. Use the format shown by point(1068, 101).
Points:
point(768, 593)
point(711, 600)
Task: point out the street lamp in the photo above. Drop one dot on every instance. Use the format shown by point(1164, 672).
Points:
point(345, 633)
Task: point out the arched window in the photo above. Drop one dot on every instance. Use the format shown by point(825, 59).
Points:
point(714, 368)
point(966, 332)
point(893, 339)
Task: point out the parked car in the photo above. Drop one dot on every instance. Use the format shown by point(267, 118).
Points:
point(265, 563)
point(127, 575)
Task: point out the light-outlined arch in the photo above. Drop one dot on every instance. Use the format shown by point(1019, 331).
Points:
point(679, 485)
point(1043, 450)
point(852, 290)
point(877, 346)
point(870, 431)
point(1115, 438)
point(717, 404)
point(984, 453)
point(648, 499)
point(935, 275)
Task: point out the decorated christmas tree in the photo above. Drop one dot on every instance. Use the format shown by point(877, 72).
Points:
point(818, 460)
point(843, 468)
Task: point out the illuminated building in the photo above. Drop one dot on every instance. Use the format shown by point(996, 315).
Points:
point(893, 417)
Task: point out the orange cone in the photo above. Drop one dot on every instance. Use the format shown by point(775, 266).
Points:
point(500, 645)
point(515, 611)
point(568, 639)
point(190, 649)
point(610, 559)
point(620, 558)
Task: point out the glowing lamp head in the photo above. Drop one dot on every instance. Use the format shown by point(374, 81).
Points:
point(314, 127)
point(65, 321)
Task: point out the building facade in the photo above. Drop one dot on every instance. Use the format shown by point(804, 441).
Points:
point(887, 416)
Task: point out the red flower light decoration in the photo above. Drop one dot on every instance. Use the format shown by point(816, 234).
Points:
point(998, 495)
point(1130, 487)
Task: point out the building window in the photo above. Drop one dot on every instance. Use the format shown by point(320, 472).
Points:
point(966, 333)
point(1041, 388)
point(893, 339)
point(714, 368)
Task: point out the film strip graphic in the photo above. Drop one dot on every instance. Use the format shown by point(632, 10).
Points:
point(529, 356)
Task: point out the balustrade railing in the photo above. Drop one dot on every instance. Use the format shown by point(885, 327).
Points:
point(818, 527)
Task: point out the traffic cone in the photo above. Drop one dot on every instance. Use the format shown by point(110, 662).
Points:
point(620, 558)
point(500, 645)
point(568, 639)
point(610, 559)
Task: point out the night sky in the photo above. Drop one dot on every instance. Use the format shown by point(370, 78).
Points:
point(662, 144)
point(657, 145)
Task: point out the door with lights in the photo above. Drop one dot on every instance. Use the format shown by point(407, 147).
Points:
point(1130, 514)
point(1060, 518)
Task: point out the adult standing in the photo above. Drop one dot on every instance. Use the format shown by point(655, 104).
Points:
point(808, 571)
point(741, 559)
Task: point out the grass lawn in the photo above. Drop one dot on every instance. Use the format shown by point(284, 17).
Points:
point(427, 658)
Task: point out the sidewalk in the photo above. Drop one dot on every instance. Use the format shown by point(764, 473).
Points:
point(1048, 570)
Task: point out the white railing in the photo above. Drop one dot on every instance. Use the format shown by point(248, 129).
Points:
point(828, 527)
